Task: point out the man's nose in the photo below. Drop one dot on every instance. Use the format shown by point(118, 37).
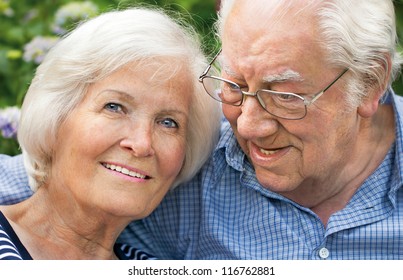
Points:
point(255, 122)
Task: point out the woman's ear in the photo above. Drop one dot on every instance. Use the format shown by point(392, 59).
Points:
point(376, 90)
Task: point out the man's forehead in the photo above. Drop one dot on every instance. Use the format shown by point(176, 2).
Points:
point(274, 53)
point(260, 22)
point(273, 9)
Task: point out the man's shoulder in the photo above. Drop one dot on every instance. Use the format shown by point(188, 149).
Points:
point(11, 167)
point(398, 102)
point(13, 180)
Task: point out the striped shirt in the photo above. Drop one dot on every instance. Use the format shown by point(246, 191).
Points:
point(11, 247)
point(8, 251)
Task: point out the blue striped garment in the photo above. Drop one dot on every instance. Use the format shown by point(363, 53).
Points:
point(8, 251)
point(128, 252)
point(11, 247)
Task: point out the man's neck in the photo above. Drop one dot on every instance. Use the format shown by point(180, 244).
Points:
point(376, 136)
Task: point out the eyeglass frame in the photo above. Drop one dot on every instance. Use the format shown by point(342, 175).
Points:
point(255, 94)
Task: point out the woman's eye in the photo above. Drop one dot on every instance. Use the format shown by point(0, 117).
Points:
point(113, 107)
point(168, 122)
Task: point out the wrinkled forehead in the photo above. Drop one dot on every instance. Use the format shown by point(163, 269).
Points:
point(163, 69)
point(267, 15)
point(262, 37)
point(253, 26)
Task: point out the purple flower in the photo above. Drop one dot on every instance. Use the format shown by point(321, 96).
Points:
point(72, 13)
point(9, 118)
point(38, 48)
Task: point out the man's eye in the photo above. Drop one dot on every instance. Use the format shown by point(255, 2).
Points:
point(113, 107)
point(287, 97)
point(168, 122)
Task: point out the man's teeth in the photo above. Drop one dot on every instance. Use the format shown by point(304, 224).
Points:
point(124, 171)
point(268, 152)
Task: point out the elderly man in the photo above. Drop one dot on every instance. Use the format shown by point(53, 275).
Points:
point(311, 165)
point(310, 160)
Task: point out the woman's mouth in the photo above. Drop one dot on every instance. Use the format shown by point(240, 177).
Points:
point(124, 171)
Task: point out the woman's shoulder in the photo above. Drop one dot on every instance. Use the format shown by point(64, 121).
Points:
point(8, 250)
point(11, 247)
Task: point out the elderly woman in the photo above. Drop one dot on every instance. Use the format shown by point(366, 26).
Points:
point(113, 119)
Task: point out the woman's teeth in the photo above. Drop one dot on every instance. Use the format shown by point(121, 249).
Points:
point(124, 171)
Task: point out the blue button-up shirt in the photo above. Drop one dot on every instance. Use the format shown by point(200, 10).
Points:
point(224, 213)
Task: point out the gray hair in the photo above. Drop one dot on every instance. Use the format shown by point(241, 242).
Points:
point(93, 51)
point(359, 35)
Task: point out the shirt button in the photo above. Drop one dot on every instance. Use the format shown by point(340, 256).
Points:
point(324, 253)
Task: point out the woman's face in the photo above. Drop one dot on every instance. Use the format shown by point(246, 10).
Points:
point(122, 147)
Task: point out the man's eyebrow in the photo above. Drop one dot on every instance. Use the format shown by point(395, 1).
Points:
point(229, 72)
point(287, 75)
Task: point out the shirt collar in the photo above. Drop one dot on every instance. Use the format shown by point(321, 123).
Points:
point(397, 103)
point(229, 145)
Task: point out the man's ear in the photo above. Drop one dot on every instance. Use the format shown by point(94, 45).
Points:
point(368, 107)
point(376, 89)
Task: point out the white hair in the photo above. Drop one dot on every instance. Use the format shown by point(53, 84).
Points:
point(362, 36)
point(359, 35)
point(93, 51)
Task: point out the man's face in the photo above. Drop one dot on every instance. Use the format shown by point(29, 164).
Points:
point(260, 48)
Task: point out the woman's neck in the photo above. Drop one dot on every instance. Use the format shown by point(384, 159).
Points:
point(49, 230)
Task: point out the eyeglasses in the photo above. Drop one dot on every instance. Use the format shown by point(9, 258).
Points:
point(285, 105)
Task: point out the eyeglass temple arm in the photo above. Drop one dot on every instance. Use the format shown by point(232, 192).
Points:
point(319, 94)
point(335, 80)
point(209, 66)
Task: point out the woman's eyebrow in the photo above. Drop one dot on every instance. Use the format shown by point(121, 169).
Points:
point(130, 97)
point(121, 93)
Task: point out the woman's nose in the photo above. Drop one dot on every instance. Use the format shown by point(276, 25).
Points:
point(139, 141)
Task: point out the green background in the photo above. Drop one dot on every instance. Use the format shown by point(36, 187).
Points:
point(31, 18)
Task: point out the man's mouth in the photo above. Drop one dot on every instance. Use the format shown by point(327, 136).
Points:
point(269, 152)
point(124, 171)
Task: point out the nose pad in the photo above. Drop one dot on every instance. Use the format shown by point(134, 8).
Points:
point(261, 102)
point(253, 96)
